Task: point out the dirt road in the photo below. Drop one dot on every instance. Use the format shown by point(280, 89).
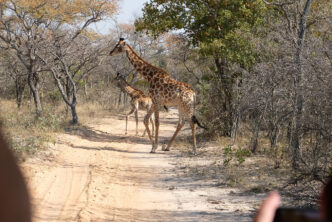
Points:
point(96, 173)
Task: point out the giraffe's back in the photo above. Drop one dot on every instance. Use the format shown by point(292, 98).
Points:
point(169, 92)
point(145, 102)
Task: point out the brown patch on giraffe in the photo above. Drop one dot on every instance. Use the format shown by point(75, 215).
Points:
point(136, 64)
point(169, 95)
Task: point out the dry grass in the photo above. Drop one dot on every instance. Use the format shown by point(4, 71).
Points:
point(27, 135)
point(254, 174)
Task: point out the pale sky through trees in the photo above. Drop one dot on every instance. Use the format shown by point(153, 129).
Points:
point(129, 9)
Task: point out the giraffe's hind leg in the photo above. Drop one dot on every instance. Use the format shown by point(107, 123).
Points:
point(178, 128)
point(193, 129)
point(152, 125)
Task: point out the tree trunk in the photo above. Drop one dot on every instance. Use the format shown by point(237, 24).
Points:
point(68, 93)
point(85, 88)
point(19, 89)
point(227, 88)
point(74, 114)
point(73, 102)
point(235, 126)
point(296, 132)
point(33, 82)
point(254, 140)
point(119, 99)
point(298, 104)
point(125, 98)
point(73, 106)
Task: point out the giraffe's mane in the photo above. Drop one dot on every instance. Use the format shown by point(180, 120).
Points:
point(165, 72)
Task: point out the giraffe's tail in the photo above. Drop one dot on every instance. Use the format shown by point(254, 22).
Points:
point(166, 108)
point(195, 120)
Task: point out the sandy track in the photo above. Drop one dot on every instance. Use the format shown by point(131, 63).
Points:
point(96, 173)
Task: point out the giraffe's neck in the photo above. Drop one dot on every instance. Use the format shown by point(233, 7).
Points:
point(127, 88)
point(147, 70)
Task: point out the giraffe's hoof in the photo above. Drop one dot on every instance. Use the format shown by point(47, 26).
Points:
point(152, 151)
point(163, 147)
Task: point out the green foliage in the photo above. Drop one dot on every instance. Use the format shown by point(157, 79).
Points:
point(238, 154)
point(29, 145)
point(49, 121)
point(142, 83)
point(222, 30)
point(219, 28)
point(55, 96)
point(206, 78)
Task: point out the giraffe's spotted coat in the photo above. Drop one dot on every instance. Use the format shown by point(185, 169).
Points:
point(164, 90)
point(138, 101)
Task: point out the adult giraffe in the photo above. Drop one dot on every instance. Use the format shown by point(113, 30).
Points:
point(138, 101)
point(164, 90)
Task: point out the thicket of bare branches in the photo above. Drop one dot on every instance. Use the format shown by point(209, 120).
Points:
point(287, 93)
point(284, 97)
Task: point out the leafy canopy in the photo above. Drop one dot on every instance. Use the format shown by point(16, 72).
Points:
point(219, 27)
point(64, 11)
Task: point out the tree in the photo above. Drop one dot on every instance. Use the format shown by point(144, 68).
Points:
point(13, 69)
point(24, 29)
point(298, 18)
point(70, 58)
point(273, 83)
point(220, 29)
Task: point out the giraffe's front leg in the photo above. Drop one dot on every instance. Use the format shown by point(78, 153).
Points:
point(133, 108)
point(146, 123)
point(156, 130)
point(152, 125)
point(136, 118)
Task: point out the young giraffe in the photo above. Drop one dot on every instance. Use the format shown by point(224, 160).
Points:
point(163, 91)
point(138, 101)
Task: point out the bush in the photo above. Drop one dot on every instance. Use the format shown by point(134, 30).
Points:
point(25, 133)
point(55, 96)
point(238, 154)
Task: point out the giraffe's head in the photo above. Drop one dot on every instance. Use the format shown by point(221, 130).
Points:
point(119, 48)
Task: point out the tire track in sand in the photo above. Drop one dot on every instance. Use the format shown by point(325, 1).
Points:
point(58, 192)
